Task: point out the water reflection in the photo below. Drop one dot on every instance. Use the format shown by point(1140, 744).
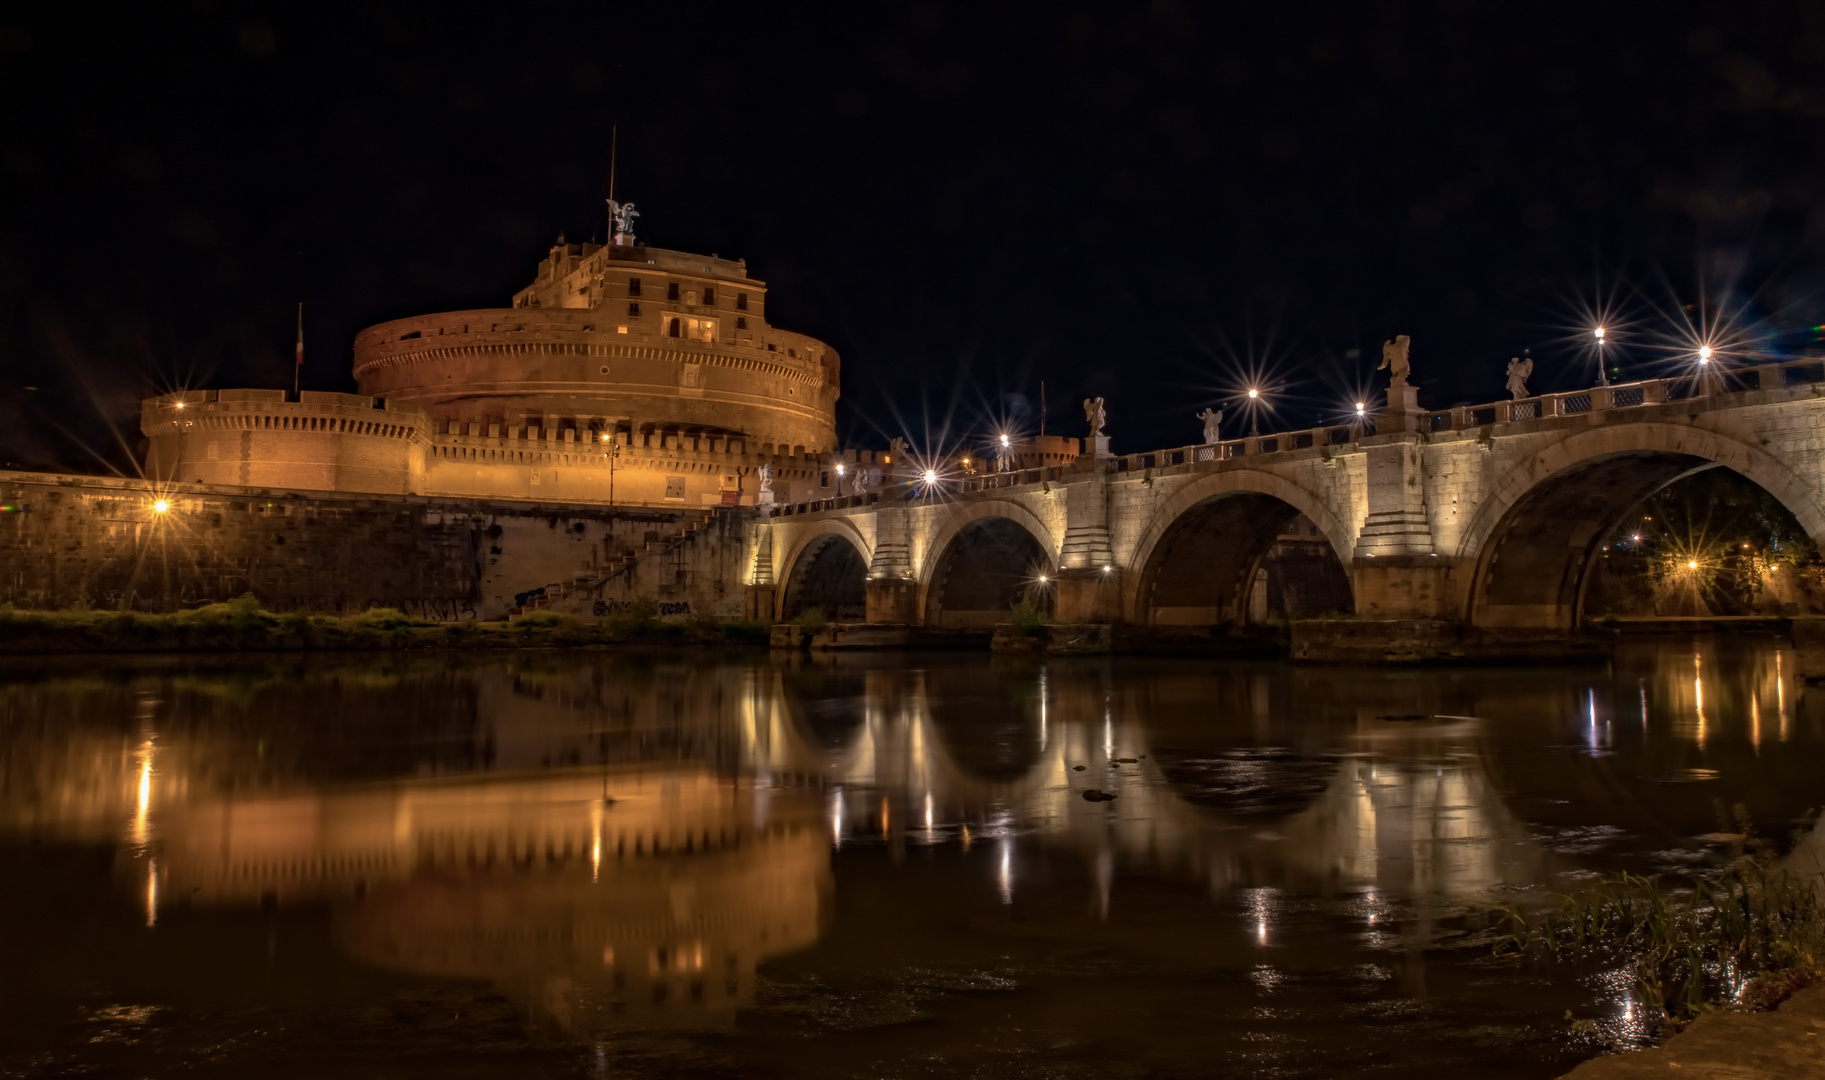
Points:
point(621, 844)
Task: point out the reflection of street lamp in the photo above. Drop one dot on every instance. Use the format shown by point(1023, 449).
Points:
point(1603, 371)
point(1254, 423)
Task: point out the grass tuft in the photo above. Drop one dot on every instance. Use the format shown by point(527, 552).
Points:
point(1743, 937)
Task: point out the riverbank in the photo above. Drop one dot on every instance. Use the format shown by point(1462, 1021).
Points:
point(243, 626)
point(1787, 1044)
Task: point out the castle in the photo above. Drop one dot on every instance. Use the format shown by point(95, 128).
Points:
point(622, 374)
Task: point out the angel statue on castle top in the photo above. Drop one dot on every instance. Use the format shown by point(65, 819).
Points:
point(624, 215)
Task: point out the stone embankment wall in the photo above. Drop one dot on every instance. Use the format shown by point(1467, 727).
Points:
point(68, 541)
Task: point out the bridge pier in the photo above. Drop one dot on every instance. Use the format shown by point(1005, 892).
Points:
point(892, 600)
point(1088, 596)
point(1402, 587)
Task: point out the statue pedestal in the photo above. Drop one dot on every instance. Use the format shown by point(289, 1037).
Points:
point(1102, 446)
point(1403, 412)
point(765, 498)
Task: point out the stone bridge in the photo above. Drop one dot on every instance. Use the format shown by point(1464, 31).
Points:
point(1482, 516)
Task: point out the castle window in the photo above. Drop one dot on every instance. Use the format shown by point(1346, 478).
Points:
point(741, 301)
point(671, 327)
point(633, 286)
point(741, 322)
point(633, 309)
point(700, 329)
point(709, 295)
point(671, 290)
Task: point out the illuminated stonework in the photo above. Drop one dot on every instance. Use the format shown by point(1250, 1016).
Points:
point(622, 374)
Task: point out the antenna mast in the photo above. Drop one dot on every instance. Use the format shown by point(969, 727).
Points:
point(614, 135)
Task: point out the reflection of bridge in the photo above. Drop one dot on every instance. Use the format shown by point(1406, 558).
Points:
point(1488, 516)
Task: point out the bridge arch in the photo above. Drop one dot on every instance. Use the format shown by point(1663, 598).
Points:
point(1206, 542)
point(982, 560)
point(826, 568)
point(1530, 546)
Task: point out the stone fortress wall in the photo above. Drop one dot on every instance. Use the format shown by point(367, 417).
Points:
point(70, 541)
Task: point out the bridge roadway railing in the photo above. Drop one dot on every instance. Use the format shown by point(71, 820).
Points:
point(1788, 373)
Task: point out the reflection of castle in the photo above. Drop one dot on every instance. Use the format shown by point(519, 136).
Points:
point(652, 905)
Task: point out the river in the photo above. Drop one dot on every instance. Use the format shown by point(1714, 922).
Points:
point(612, 865)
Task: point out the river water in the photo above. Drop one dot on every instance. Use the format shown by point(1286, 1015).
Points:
point(604, 865)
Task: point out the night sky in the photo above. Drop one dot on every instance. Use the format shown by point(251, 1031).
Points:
point(1154, 202)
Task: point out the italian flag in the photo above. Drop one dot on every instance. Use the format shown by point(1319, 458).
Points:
point(300, 335)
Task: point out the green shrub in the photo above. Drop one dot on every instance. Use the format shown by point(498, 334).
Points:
point(1028, 619)
point(812, 618)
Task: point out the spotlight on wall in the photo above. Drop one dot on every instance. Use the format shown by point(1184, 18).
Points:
point(161, 506)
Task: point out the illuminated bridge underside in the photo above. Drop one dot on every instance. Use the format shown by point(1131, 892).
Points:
point(1487, 516)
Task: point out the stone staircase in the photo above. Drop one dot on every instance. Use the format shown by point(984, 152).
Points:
point(587, 581)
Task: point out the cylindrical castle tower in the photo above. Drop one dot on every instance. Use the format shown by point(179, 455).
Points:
point(628, 339)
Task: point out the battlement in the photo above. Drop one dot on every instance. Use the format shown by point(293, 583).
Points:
point(583, 335)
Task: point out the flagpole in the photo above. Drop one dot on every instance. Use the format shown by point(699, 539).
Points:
point(298, 367)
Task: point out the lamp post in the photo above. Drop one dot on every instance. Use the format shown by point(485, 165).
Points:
point(1603, 370)
point(1254, 422)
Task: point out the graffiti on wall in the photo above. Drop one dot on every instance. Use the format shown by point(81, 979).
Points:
point(622, 607)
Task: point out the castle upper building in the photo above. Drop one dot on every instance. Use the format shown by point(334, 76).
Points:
point(622, 373)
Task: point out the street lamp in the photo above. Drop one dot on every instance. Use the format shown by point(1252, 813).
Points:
point(1254, 423)
point(1603, 371)
point(1704, 354)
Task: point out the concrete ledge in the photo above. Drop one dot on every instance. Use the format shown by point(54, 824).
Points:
point(833, 637)
point(1056, 638)
point(1436, 641)
point(1788, 1043)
